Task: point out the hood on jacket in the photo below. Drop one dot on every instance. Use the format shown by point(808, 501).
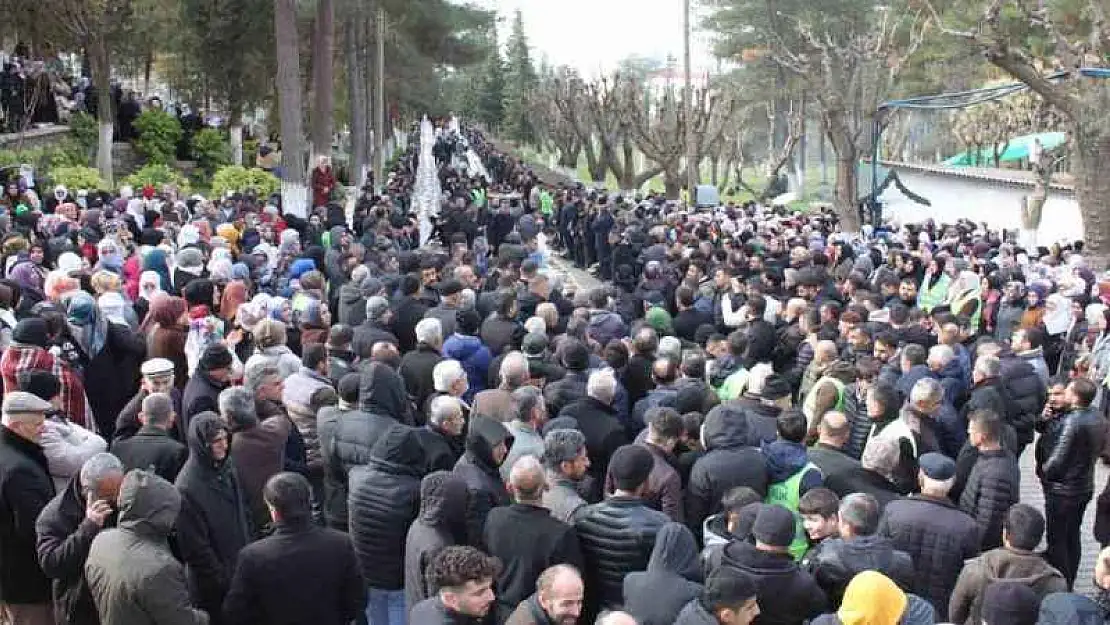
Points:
point(725, 427)
point(335, 235)
point(382, 392)
point(871, 598)
point(443, 498)
point(483, 435)
point(400, 450)
point(461, 347)
point(784, 459)
point(350, 294)
point(675, 551)
point(300, 267)
point(203, 429)
point(148, 503)
point(1027, 568)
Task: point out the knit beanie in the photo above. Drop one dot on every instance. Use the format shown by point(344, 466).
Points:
point(1009, 603)
point(774, 526)
point(31, 331)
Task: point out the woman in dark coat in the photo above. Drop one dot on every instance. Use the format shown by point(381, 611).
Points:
point(165, 329)
point(215, 520)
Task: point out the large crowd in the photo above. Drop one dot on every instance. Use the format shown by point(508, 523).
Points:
point(217, 412)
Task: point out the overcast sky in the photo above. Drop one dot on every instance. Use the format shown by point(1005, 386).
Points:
point(594, 35)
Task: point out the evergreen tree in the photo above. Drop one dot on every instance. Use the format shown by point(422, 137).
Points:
point(520, 81)
point(487, 87)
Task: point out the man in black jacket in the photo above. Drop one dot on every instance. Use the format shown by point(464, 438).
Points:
point(1024, 391)
point(302, 574)
point(384, 501)
point(374, 329)
point(729, 462)
point(618, 534)
point(153, 447)
point(417, 366)
point(66, 529)
point(873, 475)
point(858, 549)
point(408, 310)
point(158, 377)
point(994, 483)
point(487, 444)
point(575, 357)
point(202, 391)
point(25, 489)
point(464, 578)
point(526, 538)
point(1066, 455)
point(828, 454)
point(597, 420)
point(761, 335)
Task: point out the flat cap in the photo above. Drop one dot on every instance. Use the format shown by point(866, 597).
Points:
point(937, 466)
point(18, 402)
point(156, 367)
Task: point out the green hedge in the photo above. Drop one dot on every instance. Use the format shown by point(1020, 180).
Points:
point(159, 133)
point(78, 177)
point(239, 179)
point(157, 176)
point(211, 150)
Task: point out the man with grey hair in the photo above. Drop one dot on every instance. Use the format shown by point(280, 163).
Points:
point(670, 347)
point(375, 327)
point(497, 402)
point(530, 413)
point(872, 475)
point(916, 426)
point(153, 447)
point(442, 437)
point(525, 537)
point(449, 378)
point(417, 365)
point(858, 549)
point(597, 420)
point(257, 446)
point(66, 529)
point(566, 460)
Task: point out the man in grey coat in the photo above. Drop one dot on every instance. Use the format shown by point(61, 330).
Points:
point(131, 572)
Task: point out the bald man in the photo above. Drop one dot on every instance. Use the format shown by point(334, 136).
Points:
point(560, 593)
point(617, 618)
point(526, 537)
point(829, 453)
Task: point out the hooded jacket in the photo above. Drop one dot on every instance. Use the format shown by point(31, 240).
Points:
point(605, 326)
point(996, 565)
point(839, 560)
point(383, 502)
point(27, 489)
point(64, 539)
point(352, 304)
point(657, 595)
point(259, 452)
point(215, 519)
point(441, 523)
point(729, 462)
point(993, 486)
point(133, 576)
point(474, 357)
point(873, 599)
point(787, 595)
point(480, 472)
point(784, 459)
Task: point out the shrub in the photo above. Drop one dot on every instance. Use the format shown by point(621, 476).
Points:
point(238, 179)
point(86, 132)
point(159, 133)
point(78, 177)
point(211, 150)
point(157, 176)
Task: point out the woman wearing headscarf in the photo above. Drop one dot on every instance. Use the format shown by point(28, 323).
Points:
point(270, 344)
point(108, 355)
point(9, 300)
point(934, 285)
point(165, 327)
point(156, 261)
point(1035, 299)
point(1057, 320)
point(991, 287)
point(234, 296)
point(314, 322)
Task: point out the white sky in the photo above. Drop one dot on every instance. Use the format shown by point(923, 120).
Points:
point(594, 35)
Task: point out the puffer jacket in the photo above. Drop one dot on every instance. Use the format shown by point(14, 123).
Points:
point(1067, 452)
point(729, 462)
point(617, 537)
point(838, 560)
point(657, 595)
point(856, 410)
point(131, 572)
point(565, 391)
point(384, 500)
point(787, 595)
point(441, 523)
point(297, 398)
point(762, 420)
point(352, 304)
point(605, 326)
point(784, 459)
point(478, 469)
point(993, 486)
point(1002, 564)
point(1026, 393)
point(475, 358)
point(938, 536)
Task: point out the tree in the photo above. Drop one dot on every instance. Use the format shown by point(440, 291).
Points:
point(488, 86)
point(552, 128)
point(1028, 40)
point(323, 77)
point(849, 53)
point(520, 81)
point(294, 190)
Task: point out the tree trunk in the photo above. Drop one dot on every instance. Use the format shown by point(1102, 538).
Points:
point(568, 157)
point(323, 78)
point(357, 97)
point(100, 66)
point(596, 165)
point(714, 162)
point(294, 192)
point(846, 196)
point(672, 184)
point(1092, 190)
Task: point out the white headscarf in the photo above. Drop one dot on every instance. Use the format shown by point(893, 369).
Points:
point(150, 284)
point(1057, 314)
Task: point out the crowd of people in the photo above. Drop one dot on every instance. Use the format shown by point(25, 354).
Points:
point(216, 412)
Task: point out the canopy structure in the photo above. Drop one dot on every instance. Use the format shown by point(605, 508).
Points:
point(1016, 149)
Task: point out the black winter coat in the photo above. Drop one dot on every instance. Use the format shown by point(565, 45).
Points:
point(366, 335)
point(762, 421)
point(416, 371)
point(994, 486)
point(787, 595)
point(441, 451)
point(128, 425)
point(442, 523)
point(300, 575)
point(527, 540)
point(566, 391)
point(938, 536)
point(637, 379)
point(657, 595)
point(214, 524)
point(861, 480)
point(64, 539)
point(485, 489)
point(407, 312)
point(152, 449)
point(603, 431)
point(384, 501)
point(729, 462)
point(111, 377)
point(200, 395)
point(25, 489)
point(838, 560)
point(1067, 452)
point(617, 537)
point(1026, 395)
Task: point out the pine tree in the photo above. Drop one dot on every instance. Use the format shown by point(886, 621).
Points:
point(520, 80)
point(487, 87)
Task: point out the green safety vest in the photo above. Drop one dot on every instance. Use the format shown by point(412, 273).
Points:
point(809, 404)
point(733, 386)
point(787, 494)
point(547, 203)
point(479, 197)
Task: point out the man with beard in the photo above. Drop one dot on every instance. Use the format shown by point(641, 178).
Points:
point(464, 577)
point(558, 599)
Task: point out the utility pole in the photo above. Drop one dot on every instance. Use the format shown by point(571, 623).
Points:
point(688, 106)
point(379, 99)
